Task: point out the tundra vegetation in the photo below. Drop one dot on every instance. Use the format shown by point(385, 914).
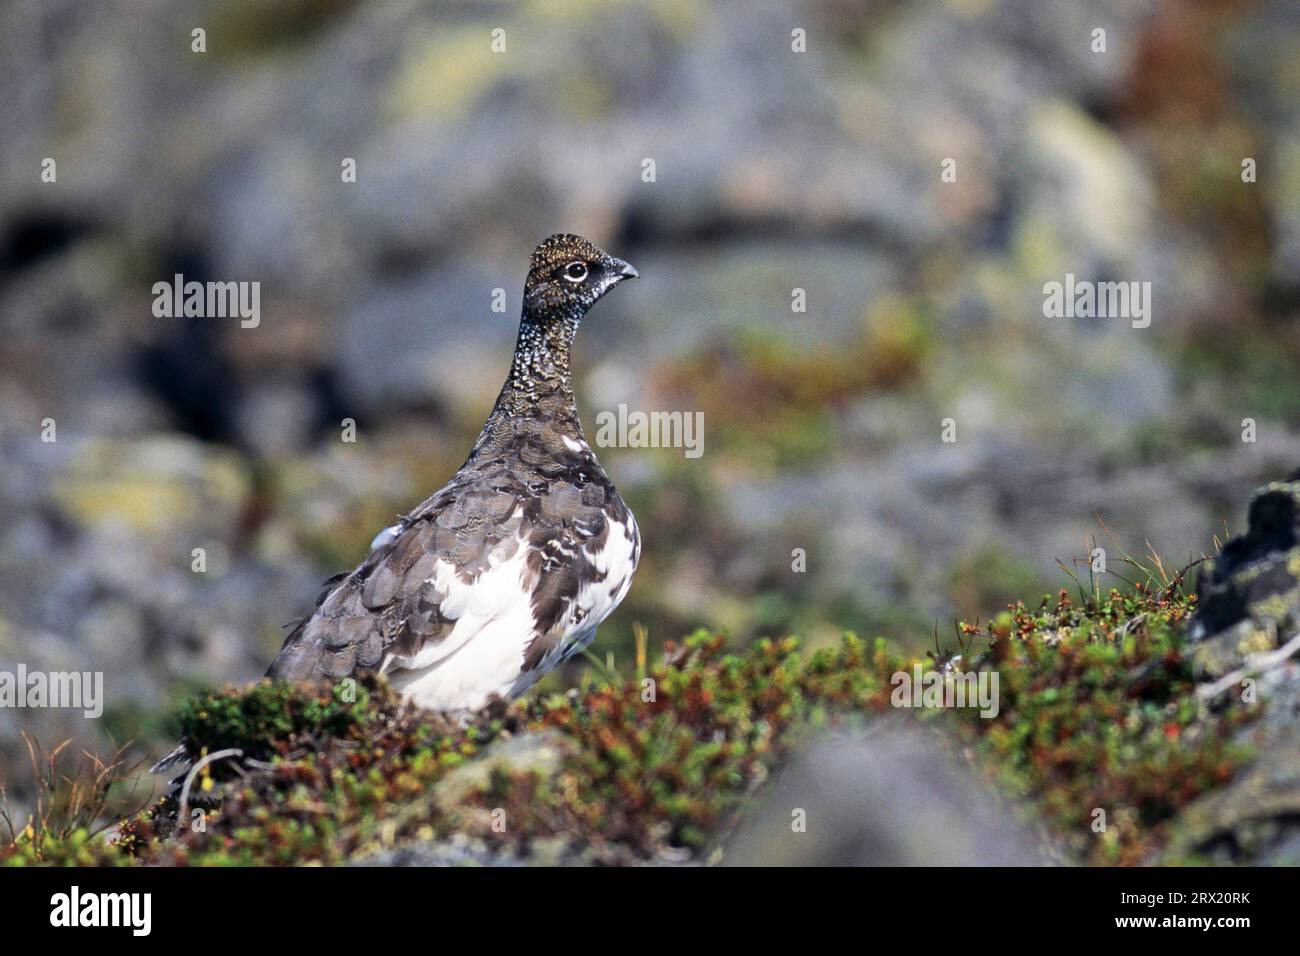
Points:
point(1098, 709)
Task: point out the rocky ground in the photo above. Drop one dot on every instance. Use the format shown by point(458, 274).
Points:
point(1148, 727)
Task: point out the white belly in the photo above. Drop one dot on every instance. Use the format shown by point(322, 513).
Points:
point(484, 653)
point(495, 627)
point(490, 663)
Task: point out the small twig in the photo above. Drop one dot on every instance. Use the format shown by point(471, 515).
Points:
point(182, 812)
point(1258, 665)
point(261, 764)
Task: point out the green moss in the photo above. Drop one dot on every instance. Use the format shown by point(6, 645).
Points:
point(267, 719)
point(79, 847)
point(1097, 710)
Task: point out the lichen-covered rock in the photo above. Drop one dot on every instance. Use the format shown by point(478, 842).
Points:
point(1249, 595)
point(1256, 819)
point(1242, 646)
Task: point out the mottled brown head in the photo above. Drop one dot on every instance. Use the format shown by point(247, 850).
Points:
point(567, 274)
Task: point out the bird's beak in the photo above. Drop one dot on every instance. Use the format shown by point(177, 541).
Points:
point(624, 270)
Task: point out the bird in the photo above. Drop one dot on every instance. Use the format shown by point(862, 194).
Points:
point(506, 571)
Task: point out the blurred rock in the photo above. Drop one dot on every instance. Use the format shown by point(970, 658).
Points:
point(1261, 53)
point(887, 796)
point(98, 573)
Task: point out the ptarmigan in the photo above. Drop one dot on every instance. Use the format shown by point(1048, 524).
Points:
point(508, 569)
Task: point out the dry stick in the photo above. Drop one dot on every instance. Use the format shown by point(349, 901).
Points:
point(182, 812)
point(1260, 664)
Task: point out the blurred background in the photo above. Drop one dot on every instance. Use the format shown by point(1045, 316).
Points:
point(775, 170)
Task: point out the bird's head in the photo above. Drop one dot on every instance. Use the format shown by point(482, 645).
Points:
point(567, 275)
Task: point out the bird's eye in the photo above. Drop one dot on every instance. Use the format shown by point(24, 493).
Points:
point(575, 271)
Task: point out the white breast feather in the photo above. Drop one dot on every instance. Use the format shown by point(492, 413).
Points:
point(597, 600)
point(484, 653)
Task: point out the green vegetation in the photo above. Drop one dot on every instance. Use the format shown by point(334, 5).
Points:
point(1097, 711)
point(771, 405)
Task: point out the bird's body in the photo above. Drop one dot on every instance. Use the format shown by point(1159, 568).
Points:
point(507, 570)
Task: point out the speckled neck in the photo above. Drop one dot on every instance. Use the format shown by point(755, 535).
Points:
point(541, 362)
point(537, 397)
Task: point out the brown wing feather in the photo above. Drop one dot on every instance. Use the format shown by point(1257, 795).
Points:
point(383, 604)
point(389, 606)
